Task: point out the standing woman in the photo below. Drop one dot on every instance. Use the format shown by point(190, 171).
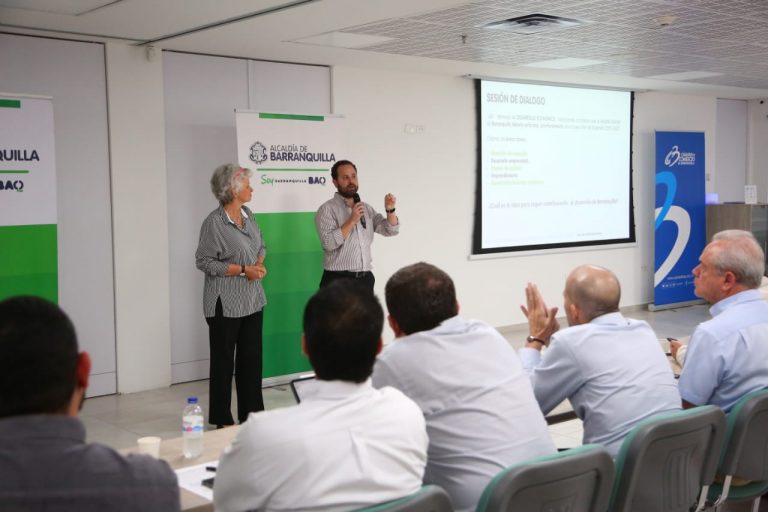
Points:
point(231, 254)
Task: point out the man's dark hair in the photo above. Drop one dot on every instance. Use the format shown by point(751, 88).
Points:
point(420, 297)
point(342, 327)
point(339, 163)
point(38, 357)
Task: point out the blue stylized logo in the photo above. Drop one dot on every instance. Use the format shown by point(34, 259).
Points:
point(672, 213)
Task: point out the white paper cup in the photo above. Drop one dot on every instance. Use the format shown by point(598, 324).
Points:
point(150, 445)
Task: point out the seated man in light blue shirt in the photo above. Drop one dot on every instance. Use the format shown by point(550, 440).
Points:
point(728, 355)
point(611, 368)
point(477, 401)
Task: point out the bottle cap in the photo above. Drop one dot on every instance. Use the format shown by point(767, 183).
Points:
point(192, 400)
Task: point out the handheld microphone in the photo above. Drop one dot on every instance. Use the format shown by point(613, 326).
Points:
point(356, 199)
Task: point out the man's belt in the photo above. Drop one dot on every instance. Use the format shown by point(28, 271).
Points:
point(347, 273)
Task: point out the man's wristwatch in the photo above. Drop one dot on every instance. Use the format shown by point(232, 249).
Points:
point(531, 339)
point(242, 270)
point(390, 211)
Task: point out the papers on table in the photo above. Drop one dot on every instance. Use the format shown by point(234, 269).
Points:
point(191, 478)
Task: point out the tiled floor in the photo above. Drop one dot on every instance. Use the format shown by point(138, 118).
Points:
point(119, 420)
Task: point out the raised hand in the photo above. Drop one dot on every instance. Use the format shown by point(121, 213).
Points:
point(541, 319)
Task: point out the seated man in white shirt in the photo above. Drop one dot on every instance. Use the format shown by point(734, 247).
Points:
point(347, 445)
point(481, 413)
point(610, 368)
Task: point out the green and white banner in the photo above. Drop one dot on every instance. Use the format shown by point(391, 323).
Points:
point(291, 157)
point(28, 242)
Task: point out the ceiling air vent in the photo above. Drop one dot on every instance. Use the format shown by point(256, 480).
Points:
point(533, 24)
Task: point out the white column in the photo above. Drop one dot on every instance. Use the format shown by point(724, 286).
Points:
point(140, 217)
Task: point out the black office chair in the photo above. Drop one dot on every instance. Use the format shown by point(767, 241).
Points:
point(668, 461)
point(429, 498)
point(578, 479)
point(745, 452)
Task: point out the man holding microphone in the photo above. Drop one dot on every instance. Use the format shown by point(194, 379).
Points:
point(346, 226)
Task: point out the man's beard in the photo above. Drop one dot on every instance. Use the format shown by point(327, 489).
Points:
point(348, 192)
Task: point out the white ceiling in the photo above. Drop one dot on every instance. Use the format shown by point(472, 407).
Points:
point(724, 42)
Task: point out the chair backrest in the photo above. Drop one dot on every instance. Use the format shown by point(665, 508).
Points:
point(577, 479)
point(745, 450)
point(666, 460)
point(429, 498)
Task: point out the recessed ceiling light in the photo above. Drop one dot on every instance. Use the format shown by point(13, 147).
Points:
point(623, 55)
point(71, 7)
point(566, 63)
point(684, 75)
point(343, 40)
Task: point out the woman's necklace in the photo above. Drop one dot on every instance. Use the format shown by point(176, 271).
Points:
point(238, 218)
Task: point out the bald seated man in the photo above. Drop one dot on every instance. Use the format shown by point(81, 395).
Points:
point(611, 368)
point(728, 355)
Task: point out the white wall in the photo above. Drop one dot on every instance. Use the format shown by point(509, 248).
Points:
point(201, 94)
point(140, 218)
point(731, 150)
point(433, 176)
point(72, 73)
point(664, 112)
point(757, 148)
point(200, 135)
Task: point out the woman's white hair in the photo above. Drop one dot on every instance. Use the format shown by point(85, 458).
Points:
point(227, 181)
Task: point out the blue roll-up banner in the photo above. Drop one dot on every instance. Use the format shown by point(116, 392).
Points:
point(680, 228)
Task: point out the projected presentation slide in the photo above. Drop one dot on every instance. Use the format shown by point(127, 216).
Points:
point(554, 167)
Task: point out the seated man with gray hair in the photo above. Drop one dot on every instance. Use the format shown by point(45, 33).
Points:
point(611, 368)
point(728, 355)
point(679, 348)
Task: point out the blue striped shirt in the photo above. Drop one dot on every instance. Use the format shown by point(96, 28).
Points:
point(354, 253)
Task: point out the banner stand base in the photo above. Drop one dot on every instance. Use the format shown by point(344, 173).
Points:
point(281, 380)
point(674, 305)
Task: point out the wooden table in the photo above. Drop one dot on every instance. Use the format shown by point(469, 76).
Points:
point(214, 442)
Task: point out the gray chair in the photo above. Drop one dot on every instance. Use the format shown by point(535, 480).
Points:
point(668, 461)
point(578, 479)
point(745, 452)
point(429, 498)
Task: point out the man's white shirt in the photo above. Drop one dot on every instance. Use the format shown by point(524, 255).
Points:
point(344, 447)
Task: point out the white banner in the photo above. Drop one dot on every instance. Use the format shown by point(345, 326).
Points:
point(291, 156)
point(27, 162)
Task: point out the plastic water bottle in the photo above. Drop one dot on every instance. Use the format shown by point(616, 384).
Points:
point(192, 422)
